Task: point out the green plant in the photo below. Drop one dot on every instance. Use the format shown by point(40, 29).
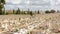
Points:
point(47, 11)
point(2, 2)
point(52, 11)
point(31, 13)
point(38, 12)
point(13, 11)
point(18, 11)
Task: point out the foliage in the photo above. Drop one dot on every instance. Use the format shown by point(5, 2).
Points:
point(52, 11)
point(38, 12)
point(3, 12)
point(16, 30)
point(2, 2)
point(47, 11)
point(13, 11)
point(6, 13)
point(18, 11)
point(31, 13)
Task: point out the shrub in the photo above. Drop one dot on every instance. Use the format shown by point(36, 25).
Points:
point(38, 12)
point(31, 13)
point(52, 11)
point(18, 11)
point(47, 11)
point(13, 11)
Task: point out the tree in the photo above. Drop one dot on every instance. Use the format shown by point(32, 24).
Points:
point(24, 12)
point(52, 11)
point(38, 11)
point(13, 11)
point(47, 11)
point(3, 12)
point(18, 11)
point(28, 12)
point(31, 13)
point(2, 2)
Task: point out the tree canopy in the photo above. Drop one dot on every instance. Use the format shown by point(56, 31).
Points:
point(2, 2)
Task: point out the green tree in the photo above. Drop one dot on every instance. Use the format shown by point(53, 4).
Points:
point(31, 13)
point(52, 11)
point(38, 12)
point(24, 12)
point(2, 2)
point(13, 11)
point(18, 11)
point(47, 11)
point(3, 12)
point(28, 12)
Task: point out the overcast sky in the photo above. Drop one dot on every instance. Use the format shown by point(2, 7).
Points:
point(33, 4)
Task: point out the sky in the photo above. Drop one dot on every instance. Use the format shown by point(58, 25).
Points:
point(33, 4)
